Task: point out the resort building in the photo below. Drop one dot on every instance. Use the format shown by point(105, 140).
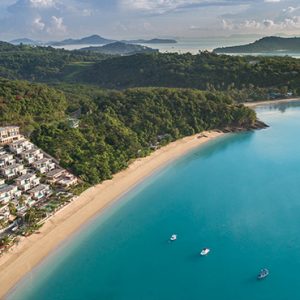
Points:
point(12, 171)
point(20, 146)
point(39, 192)
point(44, 165)
point(8, 193)
point(4, 213)
point(61, 177)
point(27, 181)
point(2, 151)
point(32, 155)
point(6, 160)
point(67, 180)
point(54, 175)
point(9, 134)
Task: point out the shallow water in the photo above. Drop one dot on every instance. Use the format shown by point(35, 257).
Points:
point(239, 196)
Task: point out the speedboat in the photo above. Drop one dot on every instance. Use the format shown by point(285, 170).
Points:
point(173, 237)
point(204, 251)
point(263, 274)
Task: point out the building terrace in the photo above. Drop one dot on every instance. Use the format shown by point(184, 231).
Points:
point(39, 192)
point(9, 134)
point(32, 155)
point(13, 170)
point(9, 192)
point(44, 165)
point(27, 181)
point(20, 146)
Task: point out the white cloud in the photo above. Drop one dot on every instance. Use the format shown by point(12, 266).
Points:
point(38, 24)
point(42, 3)
point(56, 26)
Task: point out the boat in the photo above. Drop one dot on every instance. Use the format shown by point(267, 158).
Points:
point(173, 237)
point(263, 274)
point(204, 251)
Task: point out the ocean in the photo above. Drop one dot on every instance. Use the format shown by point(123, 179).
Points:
point(238, 195)
point(194, 45)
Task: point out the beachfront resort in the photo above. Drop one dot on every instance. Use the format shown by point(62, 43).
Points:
point(32, 184)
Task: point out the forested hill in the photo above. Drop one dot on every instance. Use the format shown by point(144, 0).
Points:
point(114, 127)
point(201, 71)
point(44, 64)
point(264, 45)
point(205, 71)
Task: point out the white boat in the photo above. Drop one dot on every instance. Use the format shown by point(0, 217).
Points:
point(173, 237)
point(204, 251)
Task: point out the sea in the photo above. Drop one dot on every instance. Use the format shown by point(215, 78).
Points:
point(195, 45)
point(238, 195)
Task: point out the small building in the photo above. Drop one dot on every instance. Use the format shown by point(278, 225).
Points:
point(2, 151)
point(7, 159)
point(20, 146)
point(27, 181)
point(40, 192)
point(4, 212)
point(32, 155)
point(44, 165)
point(9, 134)
point(54, 175)
point(2, 182)
point(8, 193)
point(67, 180)
point(12, 171)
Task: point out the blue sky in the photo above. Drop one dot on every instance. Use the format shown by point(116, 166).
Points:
point(58, 19)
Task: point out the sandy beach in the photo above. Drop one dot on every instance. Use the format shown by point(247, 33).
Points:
point(32, 250)
point(258, 103)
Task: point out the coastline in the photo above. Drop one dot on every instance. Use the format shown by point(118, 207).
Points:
point(31, 250)
point(258, 103)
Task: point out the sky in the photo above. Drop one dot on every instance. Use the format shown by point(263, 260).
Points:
point(118, 19)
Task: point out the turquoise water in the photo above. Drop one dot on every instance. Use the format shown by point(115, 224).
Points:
point(239, 196)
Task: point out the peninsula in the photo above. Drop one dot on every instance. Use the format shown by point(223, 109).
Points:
point(265, 45)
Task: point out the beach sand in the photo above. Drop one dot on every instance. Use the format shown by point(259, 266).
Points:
point(259, 103)
point(31, 250)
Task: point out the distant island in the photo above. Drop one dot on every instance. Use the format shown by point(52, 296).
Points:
point(119, 48)
point(26, 41)
point(93, 40)
point(89, 40)
point(264, 45)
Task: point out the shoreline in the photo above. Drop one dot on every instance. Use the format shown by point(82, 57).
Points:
point(259, 103)
point(32, 250)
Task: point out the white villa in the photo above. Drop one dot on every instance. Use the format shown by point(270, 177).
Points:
point(32, 155)
point(44, 165)
point(7, 159)
point(61, 177)
point(20, 146)
point(12, 171)
point(54, 175)
point(8, 193)
point(68, 180)
point(39, 192)
point(4, 212)
point(9, 134)
point(27, 181)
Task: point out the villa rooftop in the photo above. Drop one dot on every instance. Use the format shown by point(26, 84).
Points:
point(7, 188)
point(41, 161)
point(8, 128)
point(55, 172)
point(38, 188)
point(26, 176)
